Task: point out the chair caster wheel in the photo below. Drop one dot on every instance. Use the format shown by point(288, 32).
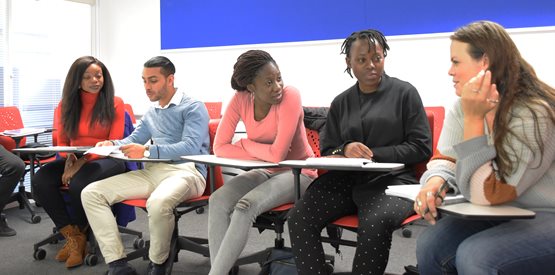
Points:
point(407, 233)
point(39, 254)
point(35, 219)
point(200, 210)
point(91, 260)
point(138, 243)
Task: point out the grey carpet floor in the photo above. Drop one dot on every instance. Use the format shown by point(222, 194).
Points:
point(16, 253)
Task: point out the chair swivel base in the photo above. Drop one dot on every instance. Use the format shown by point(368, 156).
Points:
point(22, 197)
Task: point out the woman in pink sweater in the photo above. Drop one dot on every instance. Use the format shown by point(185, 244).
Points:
point(273, 119)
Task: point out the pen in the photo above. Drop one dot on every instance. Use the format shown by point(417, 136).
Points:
point(438, 195)
point(442, 188)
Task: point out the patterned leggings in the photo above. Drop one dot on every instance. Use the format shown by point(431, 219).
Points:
point(336, 194)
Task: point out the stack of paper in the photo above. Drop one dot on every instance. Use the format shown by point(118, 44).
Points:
point(410, 191)
point(103, 150)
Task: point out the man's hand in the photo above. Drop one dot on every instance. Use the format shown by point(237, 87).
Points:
point(133, 150)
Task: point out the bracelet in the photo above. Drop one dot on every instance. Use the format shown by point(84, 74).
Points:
point(113, 143)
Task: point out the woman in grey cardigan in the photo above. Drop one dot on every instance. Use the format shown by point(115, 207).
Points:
point(497, 146)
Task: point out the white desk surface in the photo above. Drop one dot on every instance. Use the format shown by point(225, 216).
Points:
point(486, 212)
point(53, 149)
point(23, 132)
point(373, 166)
point(124, 158)
point(458, 206)
point(237, 163)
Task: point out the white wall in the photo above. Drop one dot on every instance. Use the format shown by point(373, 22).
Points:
point(129, 33)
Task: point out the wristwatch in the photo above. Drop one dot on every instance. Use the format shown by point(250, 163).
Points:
point(146, 154)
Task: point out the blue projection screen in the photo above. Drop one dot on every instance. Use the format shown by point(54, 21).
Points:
point(211, 23)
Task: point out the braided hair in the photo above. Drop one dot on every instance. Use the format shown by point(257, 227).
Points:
point(371, 36)
point(247, 66)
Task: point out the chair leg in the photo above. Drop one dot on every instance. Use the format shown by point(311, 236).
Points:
point(38, 252)
point(130, 231)
point(22, 197)
point(258, 257)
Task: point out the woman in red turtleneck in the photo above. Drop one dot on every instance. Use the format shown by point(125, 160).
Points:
point(88, 113)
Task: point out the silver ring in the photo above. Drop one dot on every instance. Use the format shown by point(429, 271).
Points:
point(492, 100)
point(429, 194)
point(418, 202)
point(476, 90)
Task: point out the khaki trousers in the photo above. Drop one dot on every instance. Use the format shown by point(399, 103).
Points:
point(165, 186)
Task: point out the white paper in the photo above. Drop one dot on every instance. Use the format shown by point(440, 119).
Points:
point(410, 191)
point(102, 150)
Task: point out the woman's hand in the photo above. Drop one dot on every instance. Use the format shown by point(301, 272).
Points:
point(426, 202)
point(68, 169)
point(479, 96)
point(358, 150)
point(104, 143)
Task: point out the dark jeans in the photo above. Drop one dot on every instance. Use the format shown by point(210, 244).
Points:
point(48, 179)
point(461, 246)
point(334, 195)
point(12, 169)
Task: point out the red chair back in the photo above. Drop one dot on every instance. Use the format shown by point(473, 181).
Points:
point(214, 109)
point(218, 180)
point(55, 121)
point(314, 141)
point(10, 119)
point(129, 110)
point(435, 119)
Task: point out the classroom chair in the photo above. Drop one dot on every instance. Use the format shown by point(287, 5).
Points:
point(350, 222)
point(181, 242)
point(275, 220)
point(10, 119)
point(129, 110)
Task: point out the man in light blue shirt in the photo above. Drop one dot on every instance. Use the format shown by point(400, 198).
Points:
point(178, 126)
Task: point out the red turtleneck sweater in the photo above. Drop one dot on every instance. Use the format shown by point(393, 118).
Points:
point(87, 135)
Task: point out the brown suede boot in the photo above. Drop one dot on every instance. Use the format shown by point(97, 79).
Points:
point(63, 254)
point(76, 243)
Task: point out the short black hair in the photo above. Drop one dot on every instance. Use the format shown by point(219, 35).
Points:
point(370, 35)
point(167, 67)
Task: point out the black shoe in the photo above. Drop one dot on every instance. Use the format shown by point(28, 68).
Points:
point(5, 230)
point(411, 270)
point(120, 267)
point(329, 268)
point(156, 269)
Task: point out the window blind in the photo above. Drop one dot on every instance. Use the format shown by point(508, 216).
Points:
point(43, 38)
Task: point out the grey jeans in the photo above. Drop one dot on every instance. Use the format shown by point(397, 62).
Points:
point(234, 207)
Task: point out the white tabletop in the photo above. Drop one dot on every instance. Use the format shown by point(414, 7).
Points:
point(229, 162)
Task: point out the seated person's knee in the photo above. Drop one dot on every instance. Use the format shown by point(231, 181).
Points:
point(158, 206)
